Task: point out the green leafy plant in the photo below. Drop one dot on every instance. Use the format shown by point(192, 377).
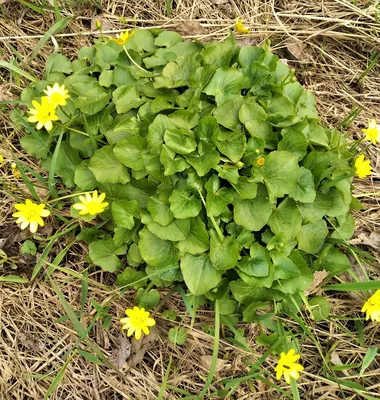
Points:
point(216, 169)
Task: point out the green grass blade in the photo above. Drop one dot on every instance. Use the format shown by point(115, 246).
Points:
point(17, 70)
point(348, 287)
point(54, 159)
point(20, 58)
point(375, 57)
point(368, 358)
point(215, 351)
point(42, 259)
point(165, 381)
point(56, 28)
point(58, 260)
point(59, 377)
point(26, 180)
point(78, 326)
point(57, 12)
point(13, 279)
point(84, 291)
point(32, 6)
point(294, 387)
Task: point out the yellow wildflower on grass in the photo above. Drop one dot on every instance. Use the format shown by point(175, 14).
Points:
point(123, 37)
point(43, 113)
point(288, 367)
point(15, 171)
point(1, 158)
point(372, 307)
point(31, 214)
point(91, 204)
point(57, 95)
point(137, 321)
point(362, 167)
point(372, 133)
point(240, 28)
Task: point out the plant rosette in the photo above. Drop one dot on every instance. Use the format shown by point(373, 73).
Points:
point(212, 158)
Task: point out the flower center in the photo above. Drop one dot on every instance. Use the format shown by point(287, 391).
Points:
point(32, 214)
point(138, 322)
point(56, 97)
point(93, 207)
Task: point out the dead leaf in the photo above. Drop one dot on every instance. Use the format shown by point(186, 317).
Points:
point(6, 1)
point(297, 49)
point(190, 28)
point(372, 240)
point(248, 41)
point(217, 2)
point(29, 343)
point(140, 347)
point(5, 94)
point(335, 360)
point(319, 276)
point(220, 364)
point(2, 242)
point(121, 352)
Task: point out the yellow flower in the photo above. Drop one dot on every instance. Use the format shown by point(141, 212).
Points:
point(1, 158)
point(362, 167)
point(16, 172)
point(260, 161)
point(137, 321)
point(43, 114)
point(240, 28)
point(372, 307)
point(57, 95)
point(91, 204)
point(288, 367)
point(373, 131)
point(30, 214)
point(123, 37)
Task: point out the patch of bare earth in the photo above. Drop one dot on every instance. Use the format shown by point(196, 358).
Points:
point(330, 45)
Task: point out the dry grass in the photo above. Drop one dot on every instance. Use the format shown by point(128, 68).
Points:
point(329, 44)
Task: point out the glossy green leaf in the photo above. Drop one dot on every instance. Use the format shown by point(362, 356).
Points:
point(224, 253)
point(184, 205)
point(155, 251)
point(104, 253)
point(124, 212)
point(304, 190)
point(107, 168)
point(279, 173)
point(199, 274)
point(197, 240)
point(312, 236)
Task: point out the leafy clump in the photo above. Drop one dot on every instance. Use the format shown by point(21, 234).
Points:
point(213, 162)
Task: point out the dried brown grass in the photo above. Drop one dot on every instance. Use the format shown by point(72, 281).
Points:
point(329, 44)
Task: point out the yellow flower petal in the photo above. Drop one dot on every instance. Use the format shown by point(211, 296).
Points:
point(91, 203)
point(287, 367)
point(138, 333)
point(138, 321)
point(24, 224)
point(30, 214)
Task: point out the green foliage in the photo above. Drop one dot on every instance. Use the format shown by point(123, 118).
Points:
point(214, 164)
point(177, 335)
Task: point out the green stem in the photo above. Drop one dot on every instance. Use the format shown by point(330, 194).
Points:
point(67, 197)
point(218, 231)
point(133, 61)
point(72, 129)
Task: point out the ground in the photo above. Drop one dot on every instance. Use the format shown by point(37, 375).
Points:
point(333, 46)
